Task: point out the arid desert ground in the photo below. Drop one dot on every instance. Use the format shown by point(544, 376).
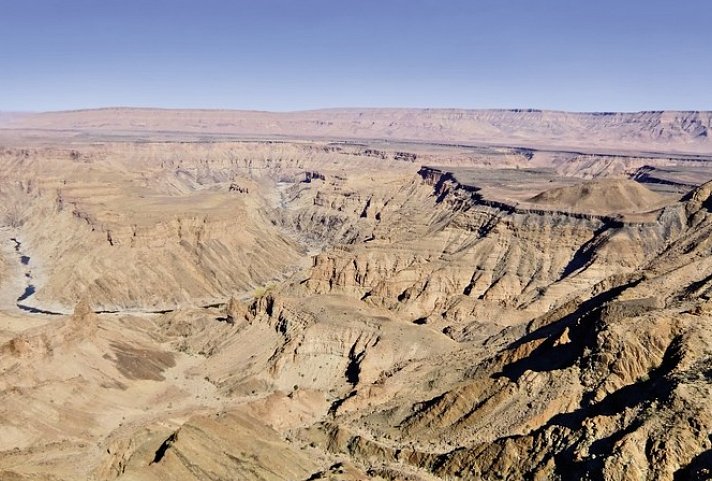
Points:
point(387, 294)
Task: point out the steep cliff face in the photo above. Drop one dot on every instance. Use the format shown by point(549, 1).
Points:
point(680, 131)
point(303, 311)
point(145, 256)
point(610, 385)
point(463, 256)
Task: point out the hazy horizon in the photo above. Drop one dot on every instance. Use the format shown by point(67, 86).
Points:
point(318, 109)
point(280, 56)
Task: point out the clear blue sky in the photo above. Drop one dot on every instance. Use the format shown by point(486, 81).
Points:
point(300, 54)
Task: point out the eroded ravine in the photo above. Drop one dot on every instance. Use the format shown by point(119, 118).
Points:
point(27, 301)
point(404, 347)
point(28, 280)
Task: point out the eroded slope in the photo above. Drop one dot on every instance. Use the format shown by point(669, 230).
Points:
point(338, 312)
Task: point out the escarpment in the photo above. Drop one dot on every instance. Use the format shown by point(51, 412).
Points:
point(309, 310)
point(466, 255)
point(604, 386)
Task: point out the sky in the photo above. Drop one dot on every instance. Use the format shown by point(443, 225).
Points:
point(283, 55)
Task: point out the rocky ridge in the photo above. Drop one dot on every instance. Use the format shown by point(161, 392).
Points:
point(325, 321)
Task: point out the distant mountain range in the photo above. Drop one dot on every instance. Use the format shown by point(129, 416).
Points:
point(664, 131)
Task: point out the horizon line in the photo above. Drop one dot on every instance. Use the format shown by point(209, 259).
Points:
point(327, 109)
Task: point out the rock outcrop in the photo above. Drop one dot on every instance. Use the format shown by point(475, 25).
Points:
point(343, 314)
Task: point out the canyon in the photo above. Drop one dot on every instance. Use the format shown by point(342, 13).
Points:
point(347, 294)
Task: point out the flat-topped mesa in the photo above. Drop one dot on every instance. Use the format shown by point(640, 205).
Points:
point(444, 182)
point(669, 130)
point(463, 255)
point(578, 201)
point(606, 196)
point(432, 175)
